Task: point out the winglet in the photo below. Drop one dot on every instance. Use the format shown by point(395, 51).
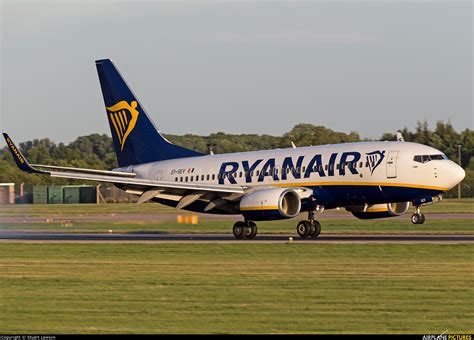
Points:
point(20, 160)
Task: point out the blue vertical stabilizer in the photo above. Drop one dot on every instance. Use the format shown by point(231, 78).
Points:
point(136, 138)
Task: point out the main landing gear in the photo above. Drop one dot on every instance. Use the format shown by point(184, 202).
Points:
point(417, 217)
point(311, 227)
point(246, 230)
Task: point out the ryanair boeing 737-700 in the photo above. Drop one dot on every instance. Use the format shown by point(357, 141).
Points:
point(369, 179)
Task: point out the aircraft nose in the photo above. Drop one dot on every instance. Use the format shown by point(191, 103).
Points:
point(457, 173)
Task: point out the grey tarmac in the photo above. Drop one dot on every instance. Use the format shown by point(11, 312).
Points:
point(16, 236)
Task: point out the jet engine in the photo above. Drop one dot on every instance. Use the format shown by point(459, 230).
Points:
point(379, 210)
point(270, 204)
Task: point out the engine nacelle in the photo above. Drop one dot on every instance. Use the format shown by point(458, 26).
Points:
point(270, 204)
point(379, 210)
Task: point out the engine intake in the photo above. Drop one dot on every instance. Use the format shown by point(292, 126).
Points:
point(270, 204)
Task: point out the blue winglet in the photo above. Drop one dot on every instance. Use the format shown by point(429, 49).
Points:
point(20, 160)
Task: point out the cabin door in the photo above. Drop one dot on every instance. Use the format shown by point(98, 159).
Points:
point(392, 164)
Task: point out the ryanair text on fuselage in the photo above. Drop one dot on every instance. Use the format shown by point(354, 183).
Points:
point(294, 166)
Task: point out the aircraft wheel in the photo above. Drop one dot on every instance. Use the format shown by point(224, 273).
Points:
point(416, 218)
point(422, 219)
point(239, 230)
point(315, 229)
point(250, 230)
point(303, 229)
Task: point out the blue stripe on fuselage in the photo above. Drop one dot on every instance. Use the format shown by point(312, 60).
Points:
point(333, 196)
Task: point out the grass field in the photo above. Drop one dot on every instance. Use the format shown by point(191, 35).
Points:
point(57, 219)
point(236, 288)
point(465, 205)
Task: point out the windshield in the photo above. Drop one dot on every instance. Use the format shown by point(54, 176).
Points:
point(428, 158)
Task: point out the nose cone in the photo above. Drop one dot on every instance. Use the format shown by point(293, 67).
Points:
point(456, 174)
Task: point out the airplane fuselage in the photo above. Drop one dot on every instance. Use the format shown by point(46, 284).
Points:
point(338, 174)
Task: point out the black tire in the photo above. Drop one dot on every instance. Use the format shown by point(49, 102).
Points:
point(415, 218)
point(315, 229)
point(239, 230)
point(251, 231)
point(422, 219)
point(303, 229)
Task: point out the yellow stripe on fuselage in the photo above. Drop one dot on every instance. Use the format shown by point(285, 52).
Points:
point(382, 184)
point(260, 207)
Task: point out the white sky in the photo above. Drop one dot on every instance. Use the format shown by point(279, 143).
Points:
point(237, 66)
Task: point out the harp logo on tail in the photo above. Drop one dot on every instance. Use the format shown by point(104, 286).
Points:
point(374, 159)
point(123, 117)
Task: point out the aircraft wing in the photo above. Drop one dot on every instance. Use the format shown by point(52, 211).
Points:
point(127, 179)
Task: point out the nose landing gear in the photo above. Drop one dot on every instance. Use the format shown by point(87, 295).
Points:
point(417, 217)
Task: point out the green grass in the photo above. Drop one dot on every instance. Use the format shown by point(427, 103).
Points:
point(236, 288)
point(457, 206)
point(332, 226)
point(465, 205)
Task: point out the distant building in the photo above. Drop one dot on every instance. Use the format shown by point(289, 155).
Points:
point(7, 193)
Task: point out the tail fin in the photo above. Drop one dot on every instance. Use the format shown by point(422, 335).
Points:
point(136, 139)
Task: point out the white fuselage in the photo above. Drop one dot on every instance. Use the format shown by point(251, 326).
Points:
point(348, 165)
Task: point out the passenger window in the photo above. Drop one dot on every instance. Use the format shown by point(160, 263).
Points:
point(258, 173)
point(207, 177)
point(326, 167)
point(240, 174)
point(337, 166)
point(213, 176)
point(304, 169)
point(191, 178)
point(361, 164)
point(186, 179)
point(176, 179)
point(181, 179)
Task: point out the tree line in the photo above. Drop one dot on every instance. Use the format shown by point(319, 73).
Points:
point(95, 151)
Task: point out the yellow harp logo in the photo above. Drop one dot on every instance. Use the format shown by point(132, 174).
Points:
point(123, 117)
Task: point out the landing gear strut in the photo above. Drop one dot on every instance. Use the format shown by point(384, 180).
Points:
point(417, 217)
point(245, 230)
point(311, 227)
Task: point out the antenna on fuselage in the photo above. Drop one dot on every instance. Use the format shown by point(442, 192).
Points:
point(400, 137)
point(210, 147)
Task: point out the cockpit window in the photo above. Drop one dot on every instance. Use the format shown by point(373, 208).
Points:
point(427, 158)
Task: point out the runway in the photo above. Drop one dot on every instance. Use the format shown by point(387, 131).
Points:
point(16, 236)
